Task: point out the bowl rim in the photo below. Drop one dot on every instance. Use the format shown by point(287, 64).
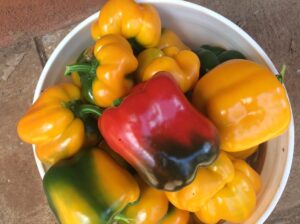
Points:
point(226, 22)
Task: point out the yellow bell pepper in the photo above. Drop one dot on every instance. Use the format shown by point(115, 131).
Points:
point(207, 183)
point(115, 61)
point(169, 38)
point(183, 65)
point(236, 201)
point(130, 19)
point(175, 216)
point(249, 172)
point(54, 123)
point(244, 154)
point(149, 209)
point(245, 101)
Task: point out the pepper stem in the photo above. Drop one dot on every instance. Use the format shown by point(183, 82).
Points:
point(85, 109)
point(281, 75)
point(90, 69)
point(121, 218)
point(82, 110)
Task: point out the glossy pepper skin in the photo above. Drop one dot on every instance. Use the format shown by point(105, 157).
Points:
point(129, 19)
point(158, 132)
point(55, 124)
point(245, 101)
point(244, 154)
point(184, 65)
point(80, 190)
point(105, 79)
point(208, 182)
point(151, 207)
point(175, 216)
point(169, 38)
point(236, 201)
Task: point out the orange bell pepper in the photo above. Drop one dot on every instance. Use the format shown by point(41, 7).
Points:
point(244, 154)
point(183, 65)
point(175, 216)
point(236, 201)
point(245, 101)
point(129, 19)
point(114, 61)
point(207, 183)
point(149, 209)
point(169, 38)
point(54, 123)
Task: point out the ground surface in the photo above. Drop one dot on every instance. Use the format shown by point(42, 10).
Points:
point(30, 30)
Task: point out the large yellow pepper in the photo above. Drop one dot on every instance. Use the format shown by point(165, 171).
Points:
point(115, 61)
point(183, 65)
point(130, 19)
point(54, 123)
point(169, 38)
point(236, 201)
point(149, 209)
point(207, 183)
point(245, 101)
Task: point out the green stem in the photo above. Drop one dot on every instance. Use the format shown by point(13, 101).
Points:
point(281, 75)
point(283, 71)
point(82, 110)
point(117, 102)
point(85, 109)
point(90, 69)
point(121, 218)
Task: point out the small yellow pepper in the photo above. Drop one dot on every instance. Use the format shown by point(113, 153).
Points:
point(115, 61)
point(245, 101)
point(236, 201)
point(169, 38)
point(54, 123)
point(149, 209)
point(183, 65)
point(207, 183)
point(129, 19)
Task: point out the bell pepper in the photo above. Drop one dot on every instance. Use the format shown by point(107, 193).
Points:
point(245, 101)
point(175, 216)
point(104, 80)
point(245, 153)
point(169, 38)
point(81, 190)
point(129, 19)
point(58, 124)
point(149, 209)
point(208, 182)
point(158, 132)
point(184, 65)
point(249, 172)
point(236, 201)
point(211, 56)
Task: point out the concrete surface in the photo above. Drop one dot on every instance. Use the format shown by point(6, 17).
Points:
point(274, 24)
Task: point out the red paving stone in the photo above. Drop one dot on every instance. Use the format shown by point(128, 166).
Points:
point(23, 19)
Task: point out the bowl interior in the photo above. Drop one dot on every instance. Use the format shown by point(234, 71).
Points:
point(196, 26)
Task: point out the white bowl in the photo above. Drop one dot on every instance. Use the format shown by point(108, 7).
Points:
point(196, 25)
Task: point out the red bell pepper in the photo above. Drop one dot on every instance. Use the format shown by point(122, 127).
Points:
point(160, 134)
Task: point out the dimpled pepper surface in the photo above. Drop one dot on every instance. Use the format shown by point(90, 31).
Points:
point(160, 133)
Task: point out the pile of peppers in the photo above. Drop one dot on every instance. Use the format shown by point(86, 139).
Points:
point(150, 131)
